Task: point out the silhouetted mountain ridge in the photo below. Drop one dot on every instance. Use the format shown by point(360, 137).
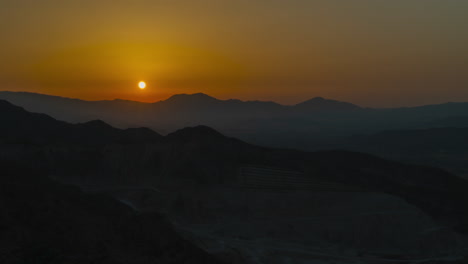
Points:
point(191, 98)
point(194, 162)
point(196, 133)
point(96, 124)
point(20, 125)
point(323, 105)
point(205, 156)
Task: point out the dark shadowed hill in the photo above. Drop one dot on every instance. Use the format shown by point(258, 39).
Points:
point(18, 125)
point(204, 156)
point(320, 104)
point(42, 221)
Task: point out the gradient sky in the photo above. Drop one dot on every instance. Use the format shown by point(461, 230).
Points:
point(369, 52)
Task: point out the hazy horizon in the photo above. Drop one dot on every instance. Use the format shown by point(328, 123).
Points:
point(226, 99)
point(372, 53)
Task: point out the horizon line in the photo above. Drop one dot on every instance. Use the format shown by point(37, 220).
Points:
point(231, 99)
point(143, 102)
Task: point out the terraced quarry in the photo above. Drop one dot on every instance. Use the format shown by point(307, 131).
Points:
point(276, 216)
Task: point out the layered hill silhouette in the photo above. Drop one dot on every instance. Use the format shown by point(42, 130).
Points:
point(303, 126)
point(201, 154)
point(38, 151)
point(176, 112)
point(22, 126)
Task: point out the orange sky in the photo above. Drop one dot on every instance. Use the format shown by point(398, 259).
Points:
point(369, 52)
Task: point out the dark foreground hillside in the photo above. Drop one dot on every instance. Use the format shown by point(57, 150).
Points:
point(44, 222)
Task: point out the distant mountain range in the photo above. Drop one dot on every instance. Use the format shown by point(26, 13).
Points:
point(315, 124)
point(171, 114)
point(266, 123)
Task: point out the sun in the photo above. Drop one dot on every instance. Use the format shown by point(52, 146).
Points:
point(142, 85)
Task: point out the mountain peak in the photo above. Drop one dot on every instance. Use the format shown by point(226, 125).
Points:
point(319, 99)
point(197, 132)
point(141, 135)
point(97, 124)
point(197, 97)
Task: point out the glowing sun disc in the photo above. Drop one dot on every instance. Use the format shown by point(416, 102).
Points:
point(142, 85)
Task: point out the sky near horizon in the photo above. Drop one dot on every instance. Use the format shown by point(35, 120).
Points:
point(376, 53)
